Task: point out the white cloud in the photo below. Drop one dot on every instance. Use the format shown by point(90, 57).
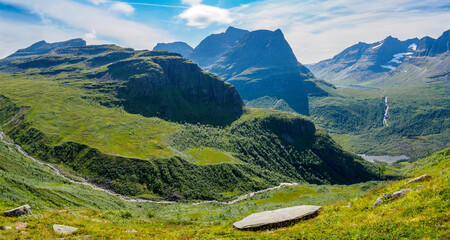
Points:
point(91, 35)
point(122, 7)
point(75, 20)
point(201, 16)
point(191, 2)
point(320, 30)
point(97, 2)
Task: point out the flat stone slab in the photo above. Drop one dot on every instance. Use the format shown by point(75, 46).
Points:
point(61, 229)
point(16, 212)
point(277, 218)
point(422, 178)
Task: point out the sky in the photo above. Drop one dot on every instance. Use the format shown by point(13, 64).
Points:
point(315, 29)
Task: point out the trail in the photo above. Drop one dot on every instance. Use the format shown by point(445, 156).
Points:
point(124, 198)
point(386, 113)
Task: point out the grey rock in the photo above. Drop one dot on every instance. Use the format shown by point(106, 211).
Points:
point(131, 231)
point(61, 229)
point(277, 218)
point(420, 187)
point(16, 212)
point(391, 196)
point(5, 228)
point(422, 178)
point(348, 205)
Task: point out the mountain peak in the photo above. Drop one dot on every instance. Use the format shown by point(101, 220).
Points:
point(177, 47)
point(215, 45)
point(42, 47)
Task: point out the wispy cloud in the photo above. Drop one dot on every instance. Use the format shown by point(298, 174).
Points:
point(202, 16)
point(77, 19)
point(122, 7)
point(320, 29)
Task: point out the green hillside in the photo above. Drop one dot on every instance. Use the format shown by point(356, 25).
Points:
point(152, 124)
point(422, 213)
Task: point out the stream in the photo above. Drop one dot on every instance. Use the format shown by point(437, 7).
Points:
point(124, 198)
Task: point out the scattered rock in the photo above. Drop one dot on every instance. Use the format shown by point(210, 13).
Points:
point(20, 225)
point(348, 205)
point(277, 218)
point(422, 178)
point(5, 228)
point(131, 231)
point(391, 196)
point(61, 229)
point(420, 187)
point(16, 212)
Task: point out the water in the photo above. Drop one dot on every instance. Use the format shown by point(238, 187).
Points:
point(386, 159)
point(355, 86)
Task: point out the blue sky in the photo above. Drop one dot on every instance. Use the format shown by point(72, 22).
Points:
point(316, 29)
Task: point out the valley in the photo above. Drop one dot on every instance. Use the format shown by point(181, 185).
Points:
point(234, 137)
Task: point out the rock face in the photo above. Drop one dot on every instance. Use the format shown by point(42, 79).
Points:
point(263, 64)
point(43, 47)
point(177, 47)
point(422, 178)
point(391, 196)
point(61, 229)
point(214, 46)
point(277, 218)
point(16, 212)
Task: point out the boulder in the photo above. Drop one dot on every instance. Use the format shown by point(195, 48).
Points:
point(277, 218)
point(5, 228)
point(16, 212)
point(61, 229)
point(391, 196)
point(422, 178)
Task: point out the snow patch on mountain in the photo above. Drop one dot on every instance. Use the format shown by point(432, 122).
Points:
point(377, 46)
point(413, 47)
point(390, 67)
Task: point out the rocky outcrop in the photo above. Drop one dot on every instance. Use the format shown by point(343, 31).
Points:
point(422, 178)
point(391, 196)
point(61, 229)
point(277, 218)
point(17, 212)
point(170, 87)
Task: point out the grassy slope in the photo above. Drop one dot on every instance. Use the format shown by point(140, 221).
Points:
point(419, 119)
point(423, 213)
point(165, 159)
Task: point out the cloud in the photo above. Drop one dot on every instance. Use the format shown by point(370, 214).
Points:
point(97, 2)
point(70, 18)
point(318, 30)
point(191, 2)
point(122, 7)
point(201, 16)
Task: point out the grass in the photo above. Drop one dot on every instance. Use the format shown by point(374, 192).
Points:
point(418, 120)
point(66, 113)
point(422, 213)
point(207, 155)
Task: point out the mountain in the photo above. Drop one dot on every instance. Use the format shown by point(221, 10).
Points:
point(262, 64)
point(43, 47)
point(214, 46)
point(362, 62)
point(177, 47)
point(152, 124)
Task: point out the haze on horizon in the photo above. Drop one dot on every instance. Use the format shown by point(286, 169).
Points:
point(316, 30)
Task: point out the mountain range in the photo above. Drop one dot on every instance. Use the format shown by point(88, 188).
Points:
point(364, 62)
